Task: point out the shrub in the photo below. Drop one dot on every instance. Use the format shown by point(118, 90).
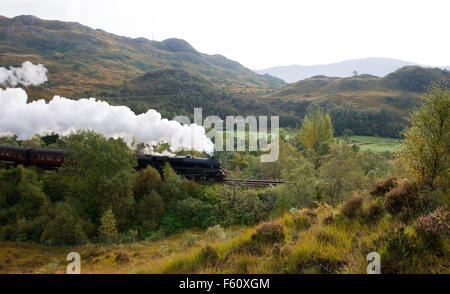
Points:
point(215, 233)
point(269, 233)
point(326, 237)
point(122, 257)
point(397, 248)
point(380, 188)
point(404, 201)
point(302, 221)
point(65, 229)
point(328, 219)
point(208, 256)
point(352, 207)
point(373, 212)
point(434, 226)
point(309, 212)
point(108, 229)
point(189, 239)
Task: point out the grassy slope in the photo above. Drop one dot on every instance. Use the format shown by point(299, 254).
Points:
point(340, 247)
point(376, 144)
point(399, 91)
point(80, 58)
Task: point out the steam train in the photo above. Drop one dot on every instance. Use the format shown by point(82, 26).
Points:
point(192, 168)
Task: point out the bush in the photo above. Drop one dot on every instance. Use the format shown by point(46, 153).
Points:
point(328, 219)
point(397, 248)
point(434, 226)
point(189, 239)
point(65, 229)
point(302, 221)
point(373, 212)
point(215, 233)
point(269, 233)
point(208, 256)
point(352, 207)
point(382, 187)
point(122, 257)
point(309, 212)
point(404, 201)
point(108, 229)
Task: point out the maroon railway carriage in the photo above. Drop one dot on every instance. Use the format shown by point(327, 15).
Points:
point(44, 158)
point(14, 154)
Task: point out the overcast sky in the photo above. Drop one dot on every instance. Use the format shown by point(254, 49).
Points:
point(261, 33)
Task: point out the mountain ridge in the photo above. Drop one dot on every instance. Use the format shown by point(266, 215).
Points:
point(79, 57)
point(377, 66)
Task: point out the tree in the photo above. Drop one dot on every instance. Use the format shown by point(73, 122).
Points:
point(146, 181)
point(148, 211)
point(316, 127)
point(108, 229)
point(427, 142)
point(102, 173)
point(341, 175)
point(174, 186)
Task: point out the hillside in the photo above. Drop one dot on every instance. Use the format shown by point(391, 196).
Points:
point(399, 91)
point(80, 58)
point(374, 66)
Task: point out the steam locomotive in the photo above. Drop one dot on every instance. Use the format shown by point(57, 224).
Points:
point(193, 168)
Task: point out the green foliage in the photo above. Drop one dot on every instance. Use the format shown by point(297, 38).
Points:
point(269, 233)
point(65, 229)
point(108, 229)
point(215, 233)
point(427, 141)
point(103, 174)
point(316, 127)
point(148, 211)
point(146, 181)
point(341, 175)
point(174, 187)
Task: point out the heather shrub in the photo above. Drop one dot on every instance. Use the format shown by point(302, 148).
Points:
point(434, 227)
point(309, 212)
point(208, 256)
point(373, 212)
point(352, 207)
point(269, 233)
point(404, 201)
point(328, 219)
point(122, 257)
point(302, 221)
point(380, 188)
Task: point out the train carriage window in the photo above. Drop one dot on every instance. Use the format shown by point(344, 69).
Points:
point(42, 156)
point(58, 158)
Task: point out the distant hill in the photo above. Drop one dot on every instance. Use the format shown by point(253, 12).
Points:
point(398, 90)
point(373, 66)
point(80, 58)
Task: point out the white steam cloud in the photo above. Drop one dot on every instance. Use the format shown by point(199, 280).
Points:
point(64, 116)
point(28, 74)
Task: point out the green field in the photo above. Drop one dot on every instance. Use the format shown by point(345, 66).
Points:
point(375, 144)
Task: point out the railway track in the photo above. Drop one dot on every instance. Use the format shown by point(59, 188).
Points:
point(252, 183)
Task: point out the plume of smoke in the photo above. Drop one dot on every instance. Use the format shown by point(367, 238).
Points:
point(64, 116)
point(28, 74)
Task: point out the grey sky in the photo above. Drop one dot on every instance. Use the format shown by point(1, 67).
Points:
point(260, 33)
